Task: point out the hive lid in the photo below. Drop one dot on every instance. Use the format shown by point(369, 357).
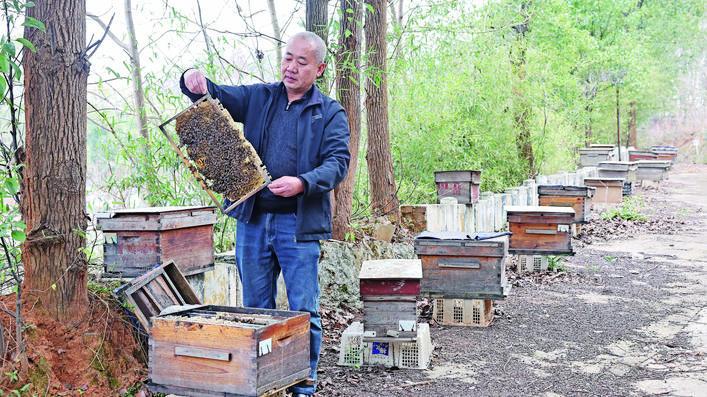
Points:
point(603, 179)
point(458, 176)
point(485, 236)
point(151, 210)
point(536, 209)
point(391, 268)
point(153, 292)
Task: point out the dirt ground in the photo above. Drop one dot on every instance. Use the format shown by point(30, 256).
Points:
point(627, 319)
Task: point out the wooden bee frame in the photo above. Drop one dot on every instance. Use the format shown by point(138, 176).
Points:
point(194, 169)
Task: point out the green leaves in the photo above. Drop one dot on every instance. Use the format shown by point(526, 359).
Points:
point(26, 43)
point(11, 186)
point(34, 23)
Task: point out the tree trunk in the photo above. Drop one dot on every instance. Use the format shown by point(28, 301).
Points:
point(136, 80)
point(632, 136)
point(384, 200)
point(522, 108)
point(588, 127)
point(348, 76)
point(54, 196)
point(618, 123)
point(317, 19)
point(276, 32)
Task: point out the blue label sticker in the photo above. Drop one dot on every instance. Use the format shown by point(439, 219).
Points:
point(380, 348)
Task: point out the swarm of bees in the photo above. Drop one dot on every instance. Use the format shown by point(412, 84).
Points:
point(217, 147)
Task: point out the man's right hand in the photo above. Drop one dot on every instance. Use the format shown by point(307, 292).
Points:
point(195, 81)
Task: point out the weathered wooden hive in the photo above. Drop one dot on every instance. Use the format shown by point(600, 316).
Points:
point(635, 155)
point(222, 160)
point(625, 170)
point(608, 190)
point(669, 153)
point(389, 290)
point(578, 198)
point(463, 185)
point(652, 170)
point(458, 265)
point(590, 157)
point(540, 230)
point(138, 239)
point(205, 350)
point(222, 349)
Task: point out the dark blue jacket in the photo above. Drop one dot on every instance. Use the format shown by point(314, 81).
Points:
point(322, 149)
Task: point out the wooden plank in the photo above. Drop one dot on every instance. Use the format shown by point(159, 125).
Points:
point(391, 269)
point(170, 222)
point(210, 354)
point(390, 287)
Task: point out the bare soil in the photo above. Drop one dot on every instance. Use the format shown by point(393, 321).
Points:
point(97, 355)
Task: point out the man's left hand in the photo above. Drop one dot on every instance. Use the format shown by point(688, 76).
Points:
point(286, 186)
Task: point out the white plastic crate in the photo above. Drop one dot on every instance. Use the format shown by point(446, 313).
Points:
point(532, 263)
point(469, 312)
point(351, 347)
point(412, 355)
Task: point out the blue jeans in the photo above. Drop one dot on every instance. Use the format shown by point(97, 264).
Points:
point(265, 246)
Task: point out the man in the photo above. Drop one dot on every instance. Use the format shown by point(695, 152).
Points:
point(302, 137)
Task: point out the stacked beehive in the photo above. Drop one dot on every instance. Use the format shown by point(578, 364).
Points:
point(389, 334)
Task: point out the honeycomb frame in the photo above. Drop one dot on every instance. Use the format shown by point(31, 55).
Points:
point(253, 179)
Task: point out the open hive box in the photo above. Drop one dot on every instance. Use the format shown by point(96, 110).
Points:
point(217, 153)
point(578, 198)
point(207, 350)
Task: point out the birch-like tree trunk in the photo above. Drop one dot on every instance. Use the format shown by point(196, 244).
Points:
point(276, 32)
point(136, 80)
point(54, 196)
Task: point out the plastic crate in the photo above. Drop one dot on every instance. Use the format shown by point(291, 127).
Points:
point(388, 352)
point(467, 312)
point(532, 263)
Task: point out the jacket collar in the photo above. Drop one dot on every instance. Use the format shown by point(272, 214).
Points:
point(317, 97)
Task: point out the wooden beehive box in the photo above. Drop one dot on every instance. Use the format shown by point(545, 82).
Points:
point(157, 290)
point(652, 170)
point(590, 157)
point(227, 351)
point(136, 240)
point(389, 290)
point(635, 155)
point(578, 198)
point(669, 153)
point(540, 230)
point(456, 265)
point(463, 185)
point(608, 190)
point(625, 170)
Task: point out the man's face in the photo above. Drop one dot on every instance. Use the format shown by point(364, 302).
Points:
point(299, 66)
